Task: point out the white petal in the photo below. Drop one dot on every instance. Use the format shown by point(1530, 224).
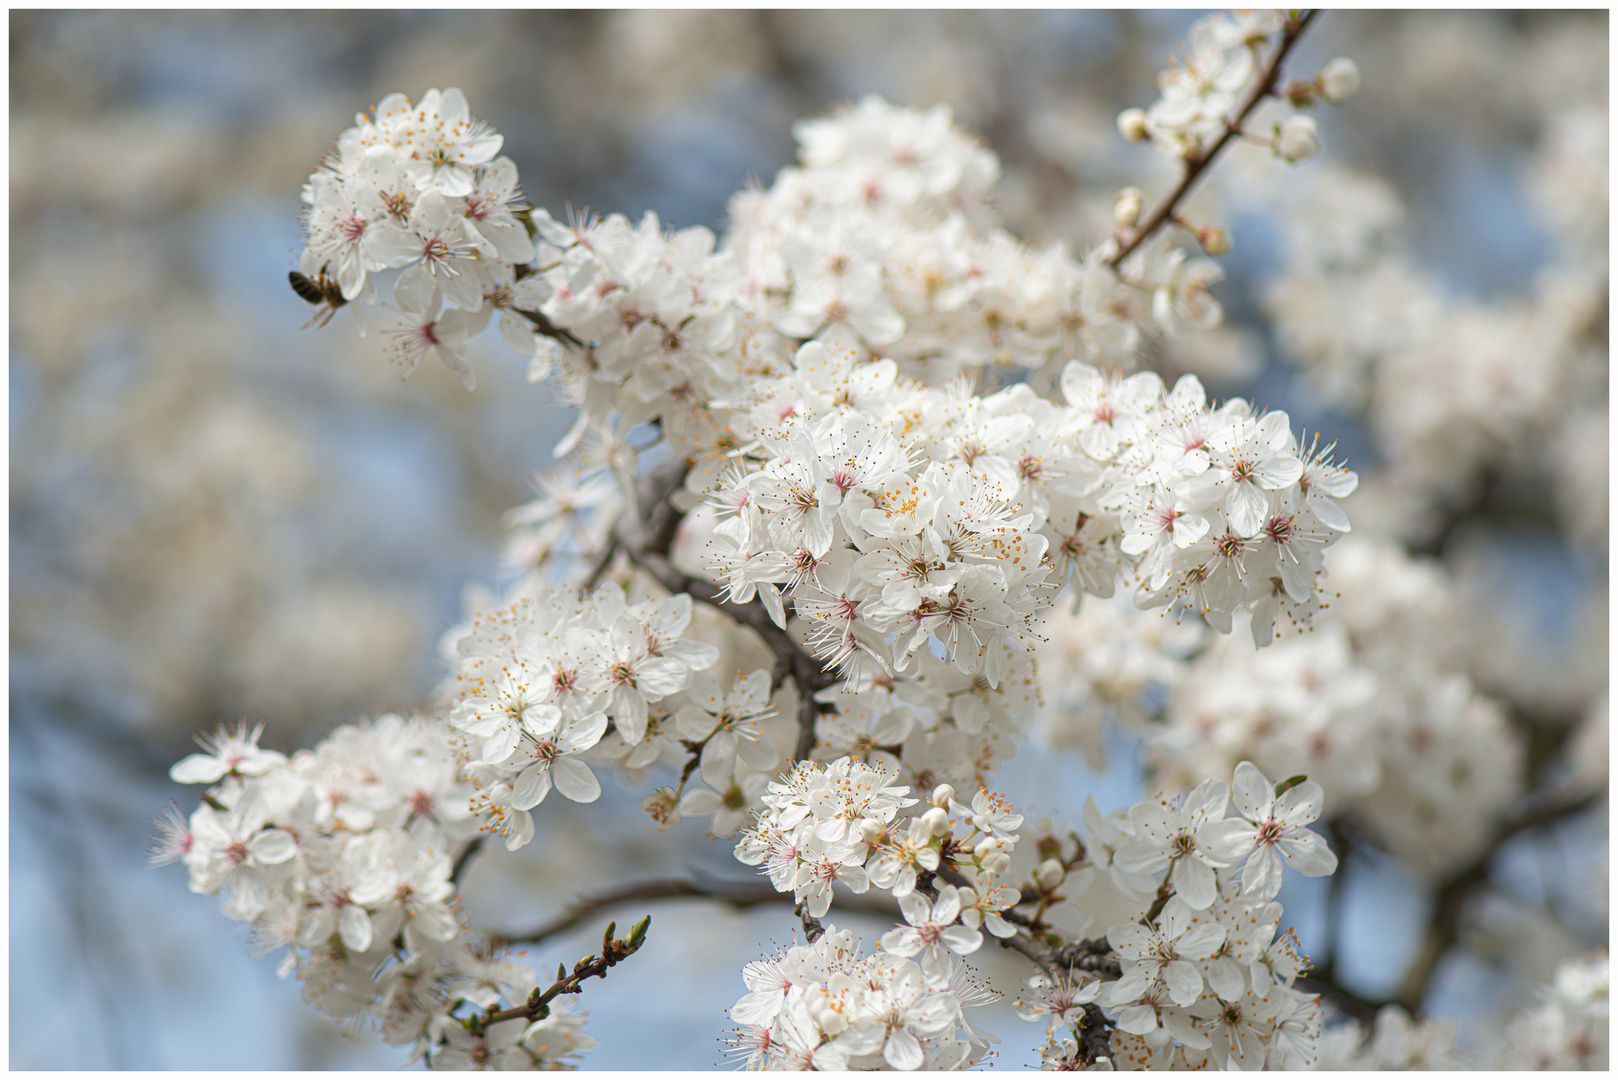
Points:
point(575, 780)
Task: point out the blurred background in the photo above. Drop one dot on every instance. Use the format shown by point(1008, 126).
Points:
point(216, 516)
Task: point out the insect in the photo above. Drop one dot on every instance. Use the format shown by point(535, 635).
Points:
point(321, 290)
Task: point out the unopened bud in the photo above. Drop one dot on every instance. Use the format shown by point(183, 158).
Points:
point(942, 794)
point(1339, 80)
point(1049, 874)
point(872, 831)
point(1126, 209)
point(995, 863)
point(1300, 94)
point(1296, 138)
point(1132, 125)
point(1214, 239)
point(936, 821)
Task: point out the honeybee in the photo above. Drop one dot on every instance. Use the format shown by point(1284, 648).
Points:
point(321, 290)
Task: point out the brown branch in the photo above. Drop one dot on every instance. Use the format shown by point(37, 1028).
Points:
point(647, 546)
point(737, 894)
point(537, 1007)
point(1358, 1006)
point(465, 857)
point(1449, 900)
point(1196, 165)
point(543, 325)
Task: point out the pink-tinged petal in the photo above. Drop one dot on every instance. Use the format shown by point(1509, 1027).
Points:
point(1308, 854)
point(1261, 877)
point(1252, 793)
point(1194, 882)
point(575, 780)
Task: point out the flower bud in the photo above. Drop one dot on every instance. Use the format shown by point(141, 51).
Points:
point(1132, 125)
point(942, 794)
point(1339, 80)
point(1049, 875)
point(1126, 210)
point(1296, 138)
point(872, 831)
point(936, 821)
point(1214, 239)
point(995, 863)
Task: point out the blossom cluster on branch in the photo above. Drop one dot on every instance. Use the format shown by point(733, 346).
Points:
point(831, 474)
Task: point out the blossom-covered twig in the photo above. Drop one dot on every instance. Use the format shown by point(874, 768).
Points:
point(1195, 165)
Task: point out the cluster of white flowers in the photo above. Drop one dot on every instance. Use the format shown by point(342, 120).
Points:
point(814, 372)
point(1204, 979)
point(419, 188)
point(1206, 87)
point(1447, 385)
point(539, 679)
point(841, 822)
point(1375, 703)
point(1395, 1043)
point(824, 1006)
point(1571, 1027)
point(341, 855)
point(898, 515)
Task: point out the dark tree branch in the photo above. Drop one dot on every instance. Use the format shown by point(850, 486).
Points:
point(1449, 900)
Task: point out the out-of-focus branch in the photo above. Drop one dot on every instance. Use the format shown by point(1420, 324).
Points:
point(1449, 900)
point(1194, 167)
point(737, 894)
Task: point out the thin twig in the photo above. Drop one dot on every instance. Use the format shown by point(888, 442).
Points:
point(1196, 166)
point(471, 849)
point(537, 1007)
point(737, 894)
